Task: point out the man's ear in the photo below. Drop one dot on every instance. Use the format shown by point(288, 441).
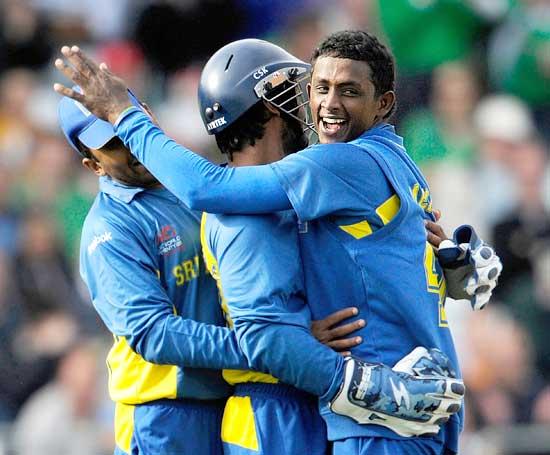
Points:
point(93, 166)
point(308, 88)
point(272, 108)
point(385, 103)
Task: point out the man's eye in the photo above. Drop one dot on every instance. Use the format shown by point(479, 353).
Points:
point(349, 92)
point(321, 89)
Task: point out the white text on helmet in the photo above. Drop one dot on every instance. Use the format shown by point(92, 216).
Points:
point(261, 72)
point(218, 122)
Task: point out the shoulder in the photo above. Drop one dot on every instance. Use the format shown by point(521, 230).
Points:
point(109, 224)
point(247, 230)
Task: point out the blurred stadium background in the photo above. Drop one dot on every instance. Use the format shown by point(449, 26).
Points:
point(474, 108)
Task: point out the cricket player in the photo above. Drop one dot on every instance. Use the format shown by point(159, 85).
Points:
point(361, 204)
point(255, 260)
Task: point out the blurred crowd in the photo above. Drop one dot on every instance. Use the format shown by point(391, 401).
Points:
point(473, 107)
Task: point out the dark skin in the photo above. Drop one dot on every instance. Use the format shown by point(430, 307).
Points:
point(343, 99)
point(118, 163)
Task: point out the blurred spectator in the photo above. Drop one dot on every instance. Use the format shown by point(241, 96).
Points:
point(179, 115)
point(503, 385)
point(30, 342)
point(64, 416)
point(174, 34)
point(441, 140)
point(503, 126)
point(424, 34)
point(9, 217)
point(43, 275)
point(16, 138)
point(24, 36)
point(519, 57)
point(445, 131)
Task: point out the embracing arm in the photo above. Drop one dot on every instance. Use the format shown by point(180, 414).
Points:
point(129, 297)
point(200, 184)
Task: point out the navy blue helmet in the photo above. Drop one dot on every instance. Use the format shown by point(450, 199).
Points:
point(244, 72)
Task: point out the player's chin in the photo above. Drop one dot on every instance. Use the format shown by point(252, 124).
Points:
point(331, 138)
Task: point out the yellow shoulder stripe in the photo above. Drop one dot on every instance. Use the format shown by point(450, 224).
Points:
point(358, 230)
point(389, 208)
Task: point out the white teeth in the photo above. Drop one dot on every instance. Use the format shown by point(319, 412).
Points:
point(333, 120)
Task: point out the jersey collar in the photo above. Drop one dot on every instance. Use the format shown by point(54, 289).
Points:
point(118, 190)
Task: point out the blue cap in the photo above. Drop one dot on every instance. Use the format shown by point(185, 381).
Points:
point(77, 122)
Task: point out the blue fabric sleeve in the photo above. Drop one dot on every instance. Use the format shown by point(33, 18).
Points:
point(200, 184)
point(263, 287)
point(332, 179)
point(128, 296)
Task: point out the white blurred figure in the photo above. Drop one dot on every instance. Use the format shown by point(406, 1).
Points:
point(62, 417)
point(503, 126)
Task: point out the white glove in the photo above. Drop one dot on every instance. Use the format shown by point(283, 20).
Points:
point(414, 398)
point(471, 267)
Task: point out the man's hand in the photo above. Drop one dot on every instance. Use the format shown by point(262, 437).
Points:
point(333, 337)
point(471, 267)
point(435, 234)
point(414, 398)
point(103, 94)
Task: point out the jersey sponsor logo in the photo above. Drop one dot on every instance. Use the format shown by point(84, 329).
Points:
point(99, 239)
point(214, 124)
point(169, 240)
point(401, 394)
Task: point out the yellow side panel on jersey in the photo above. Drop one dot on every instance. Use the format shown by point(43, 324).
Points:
point(132, 380)
point(389, 208)
point(358, 230)
point(238, 425)
point(124, 426)
point(231, 376)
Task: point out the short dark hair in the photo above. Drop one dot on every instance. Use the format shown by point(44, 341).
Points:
point(362, 46)
point(244, 131)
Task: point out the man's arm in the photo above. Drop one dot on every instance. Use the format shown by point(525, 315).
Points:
point(263, 288)
point(200, 184)
point(128, 295)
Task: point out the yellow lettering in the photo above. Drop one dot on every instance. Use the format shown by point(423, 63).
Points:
point(178, 273)
point(435, 283)
point(189, 270)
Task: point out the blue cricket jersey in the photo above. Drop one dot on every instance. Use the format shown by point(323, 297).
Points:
point(256, 262)
point(141, 260)
point(362, 207)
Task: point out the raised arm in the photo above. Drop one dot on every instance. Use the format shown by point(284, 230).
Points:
point(200, 184)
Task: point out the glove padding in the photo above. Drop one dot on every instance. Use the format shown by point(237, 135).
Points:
point(471, 267)
point(414, 398)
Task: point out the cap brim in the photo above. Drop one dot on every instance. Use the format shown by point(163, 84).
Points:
point(97, 134)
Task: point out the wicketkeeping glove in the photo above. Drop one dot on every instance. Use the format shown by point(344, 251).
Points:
point(471, 267)
point(414, 398)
